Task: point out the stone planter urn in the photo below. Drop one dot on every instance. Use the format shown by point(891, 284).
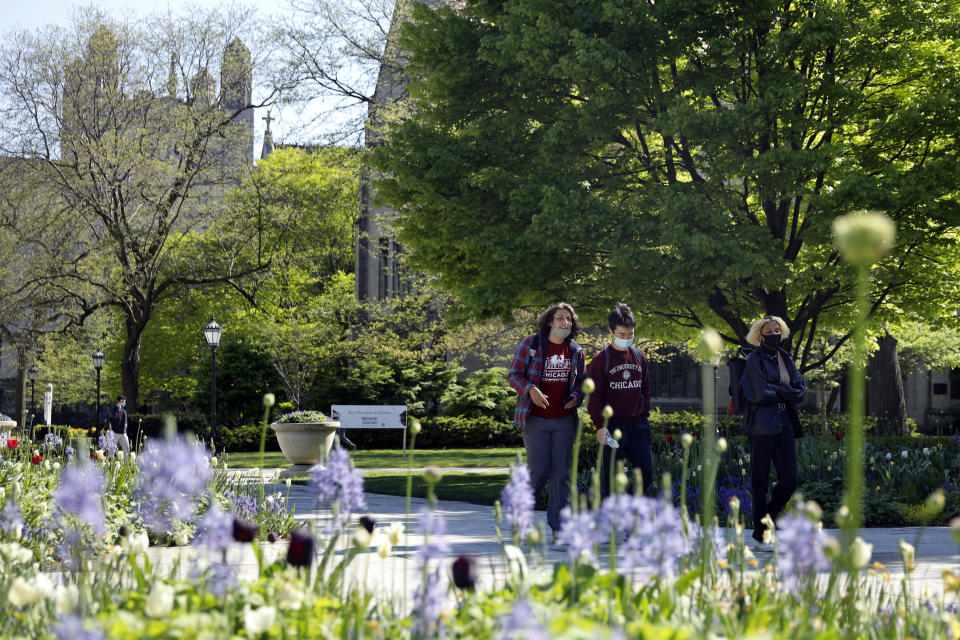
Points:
point(8, 424)
point(303, 443)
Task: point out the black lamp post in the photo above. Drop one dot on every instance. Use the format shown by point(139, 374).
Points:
point(32, 373)
point(98, 365)
point(212, 334)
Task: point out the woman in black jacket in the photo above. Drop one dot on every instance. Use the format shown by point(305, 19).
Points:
point(773, 388)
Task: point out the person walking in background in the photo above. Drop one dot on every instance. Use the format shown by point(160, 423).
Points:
point(622, 381)
point(547, 373)
point(773, 387)
point(117, 419)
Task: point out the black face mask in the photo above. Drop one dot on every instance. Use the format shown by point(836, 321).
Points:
point(772, 340)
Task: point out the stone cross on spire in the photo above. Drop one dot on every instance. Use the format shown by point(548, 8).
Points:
point(268, 119)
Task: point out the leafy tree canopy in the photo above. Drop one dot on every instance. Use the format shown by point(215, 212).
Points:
point(685, 156)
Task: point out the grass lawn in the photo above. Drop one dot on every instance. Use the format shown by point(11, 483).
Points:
point(393, 458)
point(476, 488)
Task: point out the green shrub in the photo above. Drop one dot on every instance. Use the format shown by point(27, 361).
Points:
point(246, 438)
point(484, 393)
point(145, 425)
point(443, 432)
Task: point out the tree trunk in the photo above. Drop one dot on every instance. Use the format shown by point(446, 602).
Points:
point(21, 412)
point(130, 366)
point(886, 398)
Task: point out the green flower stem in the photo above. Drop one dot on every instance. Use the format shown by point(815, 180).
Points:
point(708, 450)
point(263, 446)
point(854, 467)
point(574, 501)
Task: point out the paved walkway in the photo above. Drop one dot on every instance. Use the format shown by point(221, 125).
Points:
point(471, 530)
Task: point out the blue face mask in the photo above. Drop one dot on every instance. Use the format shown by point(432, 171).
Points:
point(623, 343)
point(123, 404)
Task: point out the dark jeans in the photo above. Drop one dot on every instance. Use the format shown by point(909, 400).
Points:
point(634, 447)
point(782, 452)
point(549, 444)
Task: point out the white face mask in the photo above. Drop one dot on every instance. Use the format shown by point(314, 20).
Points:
point(623, 343)
point(559, 333)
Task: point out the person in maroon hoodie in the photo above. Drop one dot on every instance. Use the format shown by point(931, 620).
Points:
point(622, 381)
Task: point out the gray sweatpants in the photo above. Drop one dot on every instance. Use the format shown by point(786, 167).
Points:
point(549, 444)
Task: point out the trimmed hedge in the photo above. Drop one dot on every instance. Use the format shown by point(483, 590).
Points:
point(152, 425)
point(246, 438)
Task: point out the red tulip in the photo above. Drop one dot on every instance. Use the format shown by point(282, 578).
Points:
point(696, 434)
point(838, 435)
point(36, 459)
point(12, 443)
point(669, 438)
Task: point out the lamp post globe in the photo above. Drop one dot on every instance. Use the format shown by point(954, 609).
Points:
point(98, 361)
point(211, 334)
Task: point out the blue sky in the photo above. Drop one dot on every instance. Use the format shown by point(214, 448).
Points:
point(31, 14)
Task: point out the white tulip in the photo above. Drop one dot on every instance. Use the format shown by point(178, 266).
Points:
point(393, 533)
point(66, 597)
point(160, 600)
point(860, 552)
point(15, 553)
point(289, 596)
point(181, 539)
point(257, 621)
point(136, 543)
point(904, 454)
point(25, 592)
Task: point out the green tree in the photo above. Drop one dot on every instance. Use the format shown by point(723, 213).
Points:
point(137, 143)
point(685, 156)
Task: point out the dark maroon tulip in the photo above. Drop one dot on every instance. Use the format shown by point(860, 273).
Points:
point(122, 531)
point(244, 531)
point(272, 537)
point(367, 523)
point(300, 551)
point(464, 572)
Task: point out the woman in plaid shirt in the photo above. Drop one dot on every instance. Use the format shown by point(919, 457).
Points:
point(547, 373)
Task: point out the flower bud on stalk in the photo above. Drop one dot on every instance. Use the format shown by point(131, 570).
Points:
point(589, 386)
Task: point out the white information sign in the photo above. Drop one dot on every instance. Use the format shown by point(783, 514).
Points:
point(378, 416)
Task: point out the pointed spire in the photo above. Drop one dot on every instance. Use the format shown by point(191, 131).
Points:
point(267, 138)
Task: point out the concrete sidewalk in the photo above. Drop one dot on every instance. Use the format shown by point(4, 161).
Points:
point(471, 530)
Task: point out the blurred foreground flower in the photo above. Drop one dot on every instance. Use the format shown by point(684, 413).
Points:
point(300, 551)
point(517, 501)
point(863, 237)
point(464, 571)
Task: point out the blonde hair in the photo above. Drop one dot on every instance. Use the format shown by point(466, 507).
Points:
point(753, 336)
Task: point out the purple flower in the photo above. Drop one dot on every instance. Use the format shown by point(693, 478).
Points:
point(70, 627)
point(69, 451)
point(107, 443)
point(579, 533)
point(517, 501)
point(428, 604)
point(799, 550)
point(433, 528)
point(173, 473)
point(521, 623)
point(657, 543)
point(11, 521)
point(52, 441)
point(339, 482)
point(79, 494)
point(215, 529)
